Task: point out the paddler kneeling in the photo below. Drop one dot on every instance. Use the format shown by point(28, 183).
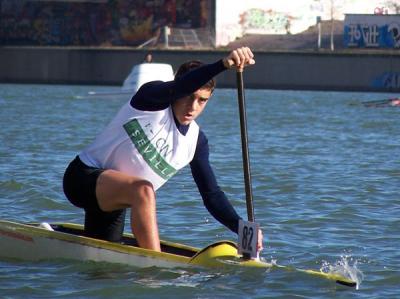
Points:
point(148, 141)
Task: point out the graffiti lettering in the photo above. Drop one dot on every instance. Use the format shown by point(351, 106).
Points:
point(394, 29)
point(388, 80)
point(354, 35)
point(372, 31)
point(368, 34)
point(265, 21)
point(392, 81)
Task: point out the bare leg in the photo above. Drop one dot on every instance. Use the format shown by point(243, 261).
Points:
point(144, 219)
point(116, 190)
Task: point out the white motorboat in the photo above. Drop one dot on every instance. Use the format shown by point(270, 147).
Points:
point(139, 75)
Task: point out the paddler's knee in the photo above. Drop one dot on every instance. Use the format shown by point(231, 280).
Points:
point(144, 192)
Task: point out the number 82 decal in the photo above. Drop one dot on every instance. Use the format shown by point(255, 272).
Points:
point(248, 235)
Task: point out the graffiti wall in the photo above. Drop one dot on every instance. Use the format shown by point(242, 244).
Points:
point(372, 31)
point(94, 23)
point(235, 18)
point(388, 80)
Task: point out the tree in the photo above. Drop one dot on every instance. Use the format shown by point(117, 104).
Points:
point(393, 4)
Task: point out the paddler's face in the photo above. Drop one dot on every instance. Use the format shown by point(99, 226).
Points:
point(188, 108)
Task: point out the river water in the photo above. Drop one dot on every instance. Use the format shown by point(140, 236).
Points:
point(326, 178)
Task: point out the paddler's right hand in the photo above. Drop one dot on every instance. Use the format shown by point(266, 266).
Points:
point(239, 58)
point(260, 240)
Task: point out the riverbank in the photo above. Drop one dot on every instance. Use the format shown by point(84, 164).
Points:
point(342, 70)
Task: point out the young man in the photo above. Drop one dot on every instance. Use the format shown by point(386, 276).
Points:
point(148, 141)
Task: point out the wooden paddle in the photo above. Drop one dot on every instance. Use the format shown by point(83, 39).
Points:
point(245, 148)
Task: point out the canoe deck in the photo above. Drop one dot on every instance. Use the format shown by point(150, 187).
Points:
point(35, 241)
point(127, 240)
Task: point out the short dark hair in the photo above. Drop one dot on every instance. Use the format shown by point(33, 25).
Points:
point(193, 64)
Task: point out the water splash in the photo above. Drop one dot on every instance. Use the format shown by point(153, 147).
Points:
point(346, 267)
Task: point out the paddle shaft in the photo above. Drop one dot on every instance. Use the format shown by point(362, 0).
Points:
point(378, 103)
point(245, 147)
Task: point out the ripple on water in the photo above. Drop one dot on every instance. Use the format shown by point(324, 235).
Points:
point(325, 186)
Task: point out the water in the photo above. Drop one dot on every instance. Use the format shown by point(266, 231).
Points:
point(326, 177)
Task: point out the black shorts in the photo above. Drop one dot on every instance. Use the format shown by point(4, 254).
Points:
point(79, 185)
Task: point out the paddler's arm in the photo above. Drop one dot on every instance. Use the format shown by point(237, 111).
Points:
point(158, 95)
point(214, 198)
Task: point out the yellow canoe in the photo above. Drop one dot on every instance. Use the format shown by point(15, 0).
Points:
point(65, 241)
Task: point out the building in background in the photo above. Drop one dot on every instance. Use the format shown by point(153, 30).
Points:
point(172, 23)
point(98, 22)
point(236, 18)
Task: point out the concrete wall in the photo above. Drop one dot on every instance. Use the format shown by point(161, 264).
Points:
point(364, 71)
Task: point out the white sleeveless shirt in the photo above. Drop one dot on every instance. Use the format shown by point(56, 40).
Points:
point(145, 144)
